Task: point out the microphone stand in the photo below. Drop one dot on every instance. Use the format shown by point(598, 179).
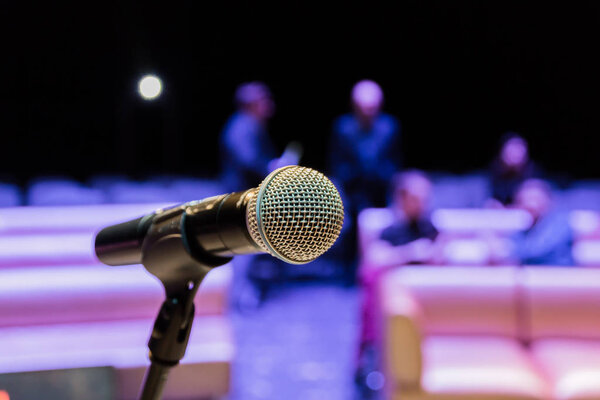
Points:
point(181, 266)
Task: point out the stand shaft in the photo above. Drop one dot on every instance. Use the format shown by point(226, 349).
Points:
point(154, 381)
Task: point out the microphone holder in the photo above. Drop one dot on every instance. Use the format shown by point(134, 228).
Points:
point(180, 265)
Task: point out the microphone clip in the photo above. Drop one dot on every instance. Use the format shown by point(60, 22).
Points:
point(168, 254)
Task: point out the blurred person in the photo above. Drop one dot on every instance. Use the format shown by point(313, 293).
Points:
point(365, 148)
point(247, 156)
point(410, 239)
point(511, 167)
point(247, 152)
point(549, 239)
point(363, 156)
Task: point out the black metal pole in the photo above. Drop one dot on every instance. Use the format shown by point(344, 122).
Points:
point(154, 381)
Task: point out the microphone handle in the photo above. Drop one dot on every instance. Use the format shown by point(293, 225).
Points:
point(121, 244)
point(218, 225)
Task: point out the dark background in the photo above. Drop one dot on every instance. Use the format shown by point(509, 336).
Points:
point(457, 74)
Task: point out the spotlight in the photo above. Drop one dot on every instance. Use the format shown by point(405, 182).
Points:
point(150, 87)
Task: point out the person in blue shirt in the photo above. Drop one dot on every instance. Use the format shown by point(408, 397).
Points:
point(246, 148)
point(549, 239)
point(365, 148)
point(364, 154)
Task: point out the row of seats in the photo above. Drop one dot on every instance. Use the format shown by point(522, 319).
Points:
point(450, 191)
point(60, 309)
point(100, 190)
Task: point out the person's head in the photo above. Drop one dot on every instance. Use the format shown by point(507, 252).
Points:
point(514, 151)
point(535, 197)
point(412, 192)
point(255, 98)
point(367, 99)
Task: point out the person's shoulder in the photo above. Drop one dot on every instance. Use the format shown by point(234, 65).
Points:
point(388, 117)
point(242, 118)
point(391, 123)
point(239, 123)
point(344, 123)
point(233, 120)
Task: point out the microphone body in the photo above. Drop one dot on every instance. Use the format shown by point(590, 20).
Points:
point(296, 214)
point(216, 225)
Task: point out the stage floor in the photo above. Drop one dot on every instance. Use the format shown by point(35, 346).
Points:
point(300, 344)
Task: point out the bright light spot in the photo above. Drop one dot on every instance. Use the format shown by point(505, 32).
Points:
point(150, 87)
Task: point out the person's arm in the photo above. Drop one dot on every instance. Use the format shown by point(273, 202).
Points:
point(540, 243)
point(381, 254)
point(290, 156)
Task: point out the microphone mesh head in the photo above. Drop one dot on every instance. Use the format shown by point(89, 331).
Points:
point(296, 215)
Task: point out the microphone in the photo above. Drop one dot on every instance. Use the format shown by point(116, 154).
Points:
point(295, 214)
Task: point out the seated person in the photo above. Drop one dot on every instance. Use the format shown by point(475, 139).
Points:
point(511, 167)
point(548, 241)
point(408, 240)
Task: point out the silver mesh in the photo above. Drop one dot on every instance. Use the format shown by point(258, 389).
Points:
point(299, 214)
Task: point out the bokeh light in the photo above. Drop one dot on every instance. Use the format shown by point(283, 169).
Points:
point(150, 87)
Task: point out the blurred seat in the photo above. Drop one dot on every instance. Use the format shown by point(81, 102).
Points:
point(83, 316)
point(105, 181)
point(563, 309)
point(479, 368)
point(459, 191)
point(47, 249)
point(572, 366)
point(57, 191)
point(204, 372)
point(16, 221)
point(92, 293)
point(474, 220)
point(581, 195)
point(187, 189)
point(140, 192)
point(585, 225)
point(462, 333)
point(10, 195)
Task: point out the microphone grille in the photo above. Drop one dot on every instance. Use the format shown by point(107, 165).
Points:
point(296, 215)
